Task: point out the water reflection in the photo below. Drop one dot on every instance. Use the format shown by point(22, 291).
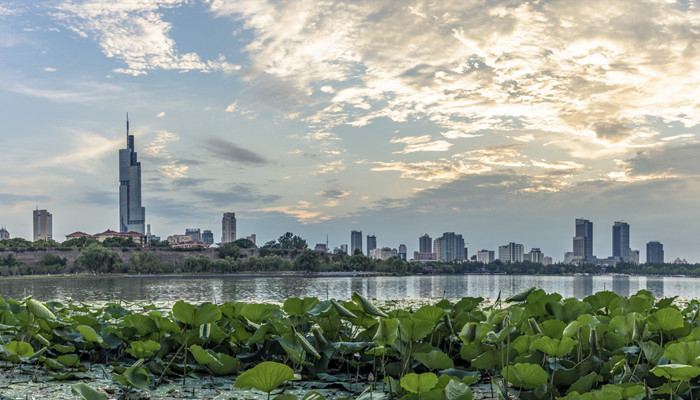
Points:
point(220, 290)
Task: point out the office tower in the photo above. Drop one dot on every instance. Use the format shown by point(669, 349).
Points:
point(485, 256)
point(42, 225)
point(4, 234)
point(355, 241)
point(371, 243)
point(207, 237)
point(436, 248)
point(621, 241)
point(196, 234)
point(655, 252)
point(634, 256)
point(132, 217)
point(583, 241)
point(511, 252)
point(228, 228)
point(536, 255)
point(402, 251)
point(547, 260)
point(425, 244)
point(451, 247)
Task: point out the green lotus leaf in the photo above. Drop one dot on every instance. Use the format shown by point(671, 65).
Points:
point(258, 313)
point(266, 376)
point(585, 383)
point(145, 349)
point(202, 356)
point(68, 360)
point(227, 365)
point(416, 383)
point(39, 310)
point(571, 330)
point(203, 314)
point(652, 352)
point(313, 395)
point(134, 376)
point(553, 328)
point(299, 307)
point(64, 349)
point(525, 375)
point(521, 296)
point(554, 347)
point(143, 324)
point(668, 318)
point(687, 353)
point(85, 392)
point(53, 364)
point(387, 331)
point(429, 313)
point(676, 372)
point(310, 350)
point(367, 306)
point(21, 349)
point(435, 359)
point(342, 311)
point(89, 334)
point(414, 330)
point(456, 390)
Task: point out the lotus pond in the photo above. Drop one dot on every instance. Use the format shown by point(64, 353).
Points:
point(532, 345)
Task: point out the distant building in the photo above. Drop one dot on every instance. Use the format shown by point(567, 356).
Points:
point(355, 241)
point(177, 239)
point(43, 229)
point(655, 252)
point(583, 241)
point(321, 247)
point(371, 243)
point(547, 260)
point(451, 247)
point(569, 257)
point(436, 248)
point(132, 216)
point(425, 244)
point(207, 237)
point(4, 234)
point(634, 256)
point(252, 238)
point(511, 252)
point(228, 228)
point(679, 261)
point(417, 256)
point(621, 241)
point(535, 256)
point(196, 234)
point(343, 249)
point(485, 256)
point(135, 237)
point(402, 251)
point(384, 253)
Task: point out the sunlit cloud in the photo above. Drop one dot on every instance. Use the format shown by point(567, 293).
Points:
point(330, 167)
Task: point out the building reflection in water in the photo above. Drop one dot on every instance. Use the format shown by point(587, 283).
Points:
point(621, 285)
point(583, 286)
point(655, 284)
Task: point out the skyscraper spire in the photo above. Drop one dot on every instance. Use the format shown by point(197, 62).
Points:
point(127, 127)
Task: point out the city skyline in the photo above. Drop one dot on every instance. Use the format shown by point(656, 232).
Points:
point(501, 121)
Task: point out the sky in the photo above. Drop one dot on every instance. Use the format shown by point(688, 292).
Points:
point(500, 120)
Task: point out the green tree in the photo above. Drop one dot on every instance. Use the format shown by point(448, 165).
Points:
point(52, 260)
point(360, 262)
point(229, 250)
point(291, 241)
point(40, 244)
point(82, 241)
point(98, 260)
point(307, 261)
point(144, 263)
point(117, 241)
point(15, 242)
point(244, 244)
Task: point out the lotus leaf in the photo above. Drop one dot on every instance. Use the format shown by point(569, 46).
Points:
point(342, 311)
point(387, 331)
point(143, 324)
point(414, 329)
point(310, 350)
point(195, 316)
point(429, 313)
point(676, 372)
point(89, 334)
point(266, 376)
point(134, 376)
point(652, 352)
point(143, 349)
point(313, 395)
point(419, 383)
point(227, 365)
point(521, 296)
point(435, 359)
point(20, 349)
point(668, 319)
point(367, 306)
point(39, 310)
point(299, 307)
point(456, 390)
point(553, 328)
point(525, 375)
point(68, 360)
point(202, 356)
point(684, 353)
point(585, 383)
point(85, 392)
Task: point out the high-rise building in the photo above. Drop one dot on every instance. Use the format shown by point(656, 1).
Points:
point(535, 256)
point(451, 247)
point(132, 217)
point(402, 251)
point(655, 252)
point(43, 221)
point(4, 234)
point(207, 237)
point(583, 241)
point(228, 228)
point(425, 244)
point(371, 243)
point(634, 256)
point(196, 234)
point(621, 241)
point(511, 252)
point(355, 241)
point(485, 256)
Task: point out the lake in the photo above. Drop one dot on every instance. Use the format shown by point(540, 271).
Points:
point(222, 289)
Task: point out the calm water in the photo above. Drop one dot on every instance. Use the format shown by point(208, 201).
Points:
point(278, 289)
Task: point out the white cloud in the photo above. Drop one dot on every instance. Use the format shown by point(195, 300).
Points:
point(158, 146)
point(161, 114)
point(232, 107)
point(49, 69)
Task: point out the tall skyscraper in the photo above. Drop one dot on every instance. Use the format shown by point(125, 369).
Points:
point(536, 255)
point(207, 237)
point(371, 243)
point(451, 247)
point(132, 217)
point(425, 244)
point(621, 241)
point(196, 234)
point(228, 228)
point(402, 251)
point(485, 256)
point(583, 241)
point(355, 241)
point(655, 252)
point(43, 229)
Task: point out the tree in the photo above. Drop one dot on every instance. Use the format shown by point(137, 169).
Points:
point(291, 241)
point(360, 262)
point(307, 261)
point(97, 259)
point(230, 250)
point(144, 263)
point(52, 260)
point(45, 243)
point(244, 244)
point(82, 241)
point(118, 241)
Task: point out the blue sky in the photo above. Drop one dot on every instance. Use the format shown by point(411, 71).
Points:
point(500, 120)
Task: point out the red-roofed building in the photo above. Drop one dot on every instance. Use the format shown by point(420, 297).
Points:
point(133, 236)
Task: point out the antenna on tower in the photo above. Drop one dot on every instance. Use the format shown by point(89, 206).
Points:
point(326, 241)
point(127, 125)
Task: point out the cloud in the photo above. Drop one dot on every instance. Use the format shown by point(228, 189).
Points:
point(330, 167)
point(228, 151)
point(173, 170)
point(13, 200)
point(161, 114)
point(333, 193)
point(135, 33)
point(236, 195)
point(302, 211)
point(88, 151)
point(158, 146)
point(429, 170)
point(68, 92)
point(49, 69)
point(100, 198)
point(232, 107)
point(661, 163)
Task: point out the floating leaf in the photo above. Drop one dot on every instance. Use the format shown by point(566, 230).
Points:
point(416, 383)
point(85, 392)
point(227, 365)
point(134, 376)
point(141, 349)
point(203, 314)
point(435, 359)
point(21, 349)
point(525, 375)
point(266, 376)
